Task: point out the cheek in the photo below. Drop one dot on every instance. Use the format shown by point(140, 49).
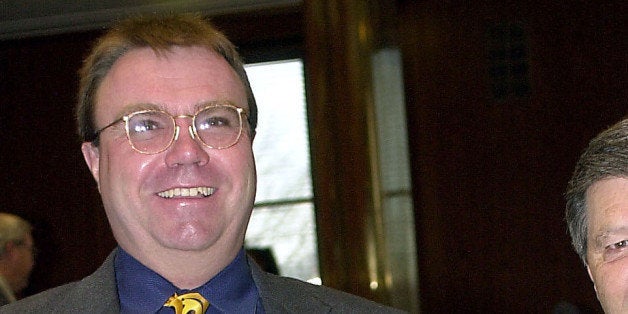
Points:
point(123, 172)
point(612, 280)
point(240, 169)
point(239, 162)
point(247, 172)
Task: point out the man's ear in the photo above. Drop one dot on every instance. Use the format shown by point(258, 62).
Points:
point(92, 159)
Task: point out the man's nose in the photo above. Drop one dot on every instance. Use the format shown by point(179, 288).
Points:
point(186, 149)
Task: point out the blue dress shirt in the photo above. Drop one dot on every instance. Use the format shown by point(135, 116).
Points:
point(141, 290)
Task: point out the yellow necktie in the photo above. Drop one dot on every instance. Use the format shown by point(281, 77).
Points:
point(188, 303)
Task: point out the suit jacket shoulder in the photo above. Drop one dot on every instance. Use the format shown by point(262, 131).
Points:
point(288, 295)
point(96, 293)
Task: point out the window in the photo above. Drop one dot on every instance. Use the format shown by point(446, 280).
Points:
point(283, 219)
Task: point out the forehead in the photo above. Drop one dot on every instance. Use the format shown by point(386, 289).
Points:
point(607, 206)
point(177, 79)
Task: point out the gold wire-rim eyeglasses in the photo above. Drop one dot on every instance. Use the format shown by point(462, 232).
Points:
point(192, 128)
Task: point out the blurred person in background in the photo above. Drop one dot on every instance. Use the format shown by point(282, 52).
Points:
point(17, 256)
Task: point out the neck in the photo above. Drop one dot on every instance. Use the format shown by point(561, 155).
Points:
point(187, 269)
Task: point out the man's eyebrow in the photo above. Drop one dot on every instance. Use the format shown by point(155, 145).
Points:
point(611, 231)
point(130, 108)
point(204, 104)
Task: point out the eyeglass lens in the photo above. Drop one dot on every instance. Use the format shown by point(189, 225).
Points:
point(154, 131)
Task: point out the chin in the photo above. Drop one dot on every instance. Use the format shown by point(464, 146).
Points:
point(188, 240)
point(187, 244)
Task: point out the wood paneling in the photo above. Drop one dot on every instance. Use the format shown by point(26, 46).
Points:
point(338, 91)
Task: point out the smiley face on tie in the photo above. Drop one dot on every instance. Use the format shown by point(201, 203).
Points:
point(189, 303)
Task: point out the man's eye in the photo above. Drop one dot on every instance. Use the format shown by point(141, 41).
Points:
point(214, 122)
point(618, 245)
point(615, 251)
point(145, 125)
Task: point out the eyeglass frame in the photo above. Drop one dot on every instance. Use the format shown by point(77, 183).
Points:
point(175, 136)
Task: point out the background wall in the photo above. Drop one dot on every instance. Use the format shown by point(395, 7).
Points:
point(502, 97)
point(44, 178)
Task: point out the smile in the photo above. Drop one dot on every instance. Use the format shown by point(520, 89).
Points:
point(187, 192)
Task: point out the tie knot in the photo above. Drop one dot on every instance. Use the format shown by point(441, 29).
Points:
point(188, 303)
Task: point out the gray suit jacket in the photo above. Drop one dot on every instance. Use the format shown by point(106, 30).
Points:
point(97, 293)
point(3, 299)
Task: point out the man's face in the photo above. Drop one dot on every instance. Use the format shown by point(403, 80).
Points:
point(144, 223)
point(607, 244)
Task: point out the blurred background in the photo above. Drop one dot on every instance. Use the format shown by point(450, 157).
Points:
point(411, 152)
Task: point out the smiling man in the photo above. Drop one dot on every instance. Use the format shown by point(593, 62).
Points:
point(597, 215)
point(167, 119)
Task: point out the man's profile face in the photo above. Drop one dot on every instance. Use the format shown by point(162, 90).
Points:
point(143, 222)
point(607, 242)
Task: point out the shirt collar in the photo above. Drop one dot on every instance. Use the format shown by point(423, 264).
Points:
point(141, 290)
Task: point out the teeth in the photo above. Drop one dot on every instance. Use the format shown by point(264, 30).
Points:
point(202, 191)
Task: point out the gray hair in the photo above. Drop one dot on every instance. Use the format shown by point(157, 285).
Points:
point(605, 157)
point(12, 229)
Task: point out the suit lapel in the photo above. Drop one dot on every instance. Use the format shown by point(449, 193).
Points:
point(278, 296)
point(96, 293)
